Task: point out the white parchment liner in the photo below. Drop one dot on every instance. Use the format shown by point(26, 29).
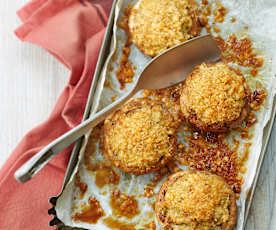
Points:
point(260, 17)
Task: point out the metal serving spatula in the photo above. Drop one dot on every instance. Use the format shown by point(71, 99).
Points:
point(167, 69)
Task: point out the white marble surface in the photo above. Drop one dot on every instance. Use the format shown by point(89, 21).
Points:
point(30, 83)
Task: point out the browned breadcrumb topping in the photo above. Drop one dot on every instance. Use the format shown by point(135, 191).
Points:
point(90, 213)
point(140, 136)
point(123, 205)
point(214, 93)
point(117, 224)
point(156, 25)
point(151, 42)
point(195, 200)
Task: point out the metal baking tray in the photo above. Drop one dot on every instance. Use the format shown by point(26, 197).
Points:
point(74, 157)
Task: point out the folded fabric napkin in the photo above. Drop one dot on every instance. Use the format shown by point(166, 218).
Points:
point(71, 30)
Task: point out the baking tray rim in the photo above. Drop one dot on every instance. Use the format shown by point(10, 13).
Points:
point(75, 152)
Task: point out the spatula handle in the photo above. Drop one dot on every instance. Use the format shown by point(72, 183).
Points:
point(38, 161)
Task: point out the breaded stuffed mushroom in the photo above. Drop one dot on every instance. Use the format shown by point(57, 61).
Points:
point(215, 97)
point(195, 200)
point(156, 25)
point(140, 137)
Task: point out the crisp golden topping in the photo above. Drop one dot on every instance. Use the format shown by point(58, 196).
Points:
point(195, 200)
point(141, 136)
point(214, 93)
point(156, 25)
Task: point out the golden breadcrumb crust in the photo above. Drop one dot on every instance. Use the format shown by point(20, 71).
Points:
point(156, 25)
point(141, 136)
point(215, 97)
point(196, 200)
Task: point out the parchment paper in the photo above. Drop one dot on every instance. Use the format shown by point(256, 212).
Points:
point(259, 16)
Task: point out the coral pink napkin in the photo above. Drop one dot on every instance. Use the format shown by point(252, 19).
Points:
point(71, 30)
